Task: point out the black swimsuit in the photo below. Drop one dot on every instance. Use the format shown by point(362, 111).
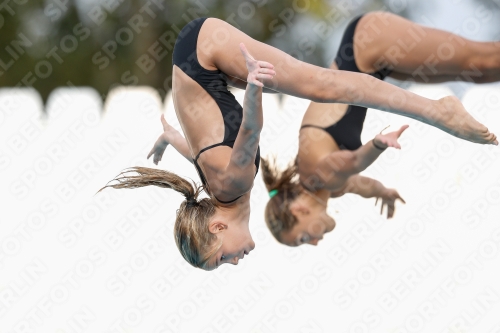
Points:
point(347, 131)
point(214, 83)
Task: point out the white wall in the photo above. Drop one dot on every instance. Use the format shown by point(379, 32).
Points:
point(72, 261)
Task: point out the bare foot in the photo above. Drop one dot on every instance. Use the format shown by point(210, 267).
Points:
point(455, 120)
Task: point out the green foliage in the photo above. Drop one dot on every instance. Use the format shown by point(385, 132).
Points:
point(47, 44)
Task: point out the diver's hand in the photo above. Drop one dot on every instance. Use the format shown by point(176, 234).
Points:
point(389, 139)
point(162, 142)
point(389, 197)
point(257, 70)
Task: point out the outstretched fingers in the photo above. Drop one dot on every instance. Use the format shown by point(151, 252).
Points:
point(267, 71)
point(390, 142)
point(245, 52)
point(257, 83)
point(390, 210)
point(264, 76)
point(264, 64)
point(394, 144)
point(258, 71)
point(158, 156)
point(158, 150)
point(150, 153)
point(402, 129)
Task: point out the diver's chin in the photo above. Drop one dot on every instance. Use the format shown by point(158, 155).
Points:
point(331, 226)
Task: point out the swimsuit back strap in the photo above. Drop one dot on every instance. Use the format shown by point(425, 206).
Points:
point(226, 202)
point(207, 148)
point(203, 178)
point(314, 126)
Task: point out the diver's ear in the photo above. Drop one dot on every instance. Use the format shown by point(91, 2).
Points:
point(298, 209)
point(216, 226)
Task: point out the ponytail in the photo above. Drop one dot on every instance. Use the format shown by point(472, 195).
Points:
point(192, 237)
point(284, 188)
point(154, 177)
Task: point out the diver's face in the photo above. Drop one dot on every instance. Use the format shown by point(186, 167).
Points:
point(235, 245)
point(311, 226)
point(233, 231)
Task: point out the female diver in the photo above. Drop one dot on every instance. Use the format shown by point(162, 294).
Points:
point(223, 137)
point(331, 157)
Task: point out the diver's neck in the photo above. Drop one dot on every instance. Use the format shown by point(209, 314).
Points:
point(234, 211)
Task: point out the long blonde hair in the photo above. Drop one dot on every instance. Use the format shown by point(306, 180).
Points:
point(278, 215)
point(192, 237)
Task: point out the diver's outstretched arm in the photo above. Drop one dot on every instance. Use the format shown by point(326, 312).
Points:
point(371, 188)
point(337, 167)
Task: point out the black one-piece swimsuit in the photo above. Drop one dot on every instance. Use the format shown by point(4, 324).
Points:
point(184, 57)
point(347, 131)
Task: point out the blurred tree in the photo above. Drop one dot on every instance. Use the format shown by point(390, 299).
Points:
point(17, 45)
point(51, 43)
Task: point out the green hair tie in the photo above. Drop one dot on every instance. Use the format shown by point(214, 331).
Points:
point(272, 193)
